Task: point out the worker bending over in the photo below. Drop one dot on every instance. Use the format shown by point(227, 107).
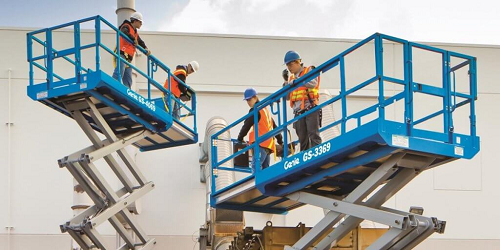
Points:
point(179, 90)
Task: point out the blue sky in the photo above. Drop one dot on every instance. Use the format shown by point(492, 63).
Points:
point(456, 21)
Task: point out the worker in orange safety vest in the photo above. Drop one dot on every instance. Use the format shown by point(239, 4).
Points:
point(180, 90)
point(265, 124)
point(302, 99)
point(127, 49)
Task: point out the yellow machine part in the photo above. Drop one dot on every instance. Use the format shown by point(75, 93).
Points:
point(275, 238)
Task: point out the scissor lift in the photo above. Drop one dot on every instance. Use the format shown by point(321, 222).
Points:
point(355, 173)
point(101, 104)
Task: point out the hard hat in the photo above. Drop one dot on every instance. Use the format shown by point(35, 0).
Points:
point(195, 65)
point(291, 56)
point(249, 93)
point(136, 16)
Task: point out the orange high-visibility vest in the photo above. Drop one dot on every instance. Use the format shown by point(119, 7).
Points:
point(265, 125)
point(300, 93)
point(175, 85)
point(125, 45)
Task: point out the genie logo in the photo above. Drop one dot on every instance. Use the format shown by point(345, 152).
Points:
point(309, 155)
point(132, 94)
point(290, 164)
point(141, 100)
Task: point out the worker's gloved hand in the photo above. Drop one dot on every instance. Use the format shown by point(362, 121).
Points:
point(136, 42)
point(279, 150)
point(280, 142)
point(148, 52)
point(240, 142)
point(293, 83)
point(284, 74)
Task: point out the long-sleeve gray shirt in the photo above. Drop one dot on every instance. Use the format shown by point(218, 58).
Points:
point(311, 84)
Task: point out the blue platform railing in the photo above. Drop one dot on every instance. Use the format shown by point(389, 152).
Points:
point(44, 37)
point(447, 91)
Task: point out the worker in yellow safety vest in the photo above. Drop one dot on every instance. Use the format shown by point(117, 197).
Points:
point(127, 49)
point(302, 99)
point(265, 124)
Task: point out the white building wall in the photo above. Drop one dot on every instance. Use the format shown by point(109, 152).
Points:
point(464, 193)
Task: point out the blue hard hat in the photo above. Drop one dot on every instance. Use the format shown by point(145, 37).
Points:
point(291, 56)
point(249, 93)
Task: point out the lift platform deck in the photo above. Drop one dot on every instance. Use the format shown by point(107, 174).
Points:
point(334, 168)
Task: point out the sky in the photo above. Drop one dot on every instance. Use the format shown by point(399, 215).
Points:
point(450, 21)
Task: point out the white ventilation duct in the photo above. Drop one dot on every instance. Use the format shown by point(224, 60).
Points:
point(224, 150)
point(220, 221)
point(124, 9)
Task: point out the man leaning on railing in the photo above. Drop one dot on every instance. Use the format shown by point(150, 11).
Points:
point(127, 50)
point(179, 90)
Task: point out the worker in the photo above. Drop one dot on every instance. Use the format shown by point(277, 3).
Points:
point(179, 90)
point(127, 49)
point(265, 124)
point(303, 99)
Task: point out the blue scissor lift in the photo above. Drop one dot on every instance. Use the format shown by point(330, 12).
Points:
point(353, 174)
point(101, 104)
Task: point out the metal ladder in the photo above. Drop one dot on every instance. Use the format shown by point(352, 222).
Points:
point(110, 205)
point(406, 229)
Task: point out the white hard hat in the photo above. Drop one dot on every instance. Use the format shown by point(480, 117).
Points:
point(136, 16)
point(195, 65)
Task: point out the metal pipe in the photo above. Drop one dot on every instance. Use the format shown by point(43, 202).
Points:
point(224, 149)
point(224, 179)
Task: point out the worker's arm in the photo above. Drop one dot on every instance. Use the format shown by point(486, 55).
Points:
point(312, 84)
point(141, 42)
point(247, 125)
point(288, 93)
point(181, 77)
point(278, 137)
